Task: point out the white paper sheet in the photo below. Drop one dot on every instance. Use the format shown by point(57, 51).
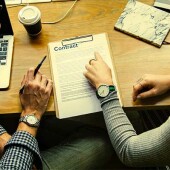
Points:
point(34, 1)
point(75, 95)
point(12, 2)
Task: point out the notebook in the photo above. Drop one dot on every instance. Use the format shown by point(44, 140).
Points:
point(163, 4)
point(73, 94)
point(6, 46)
point(144, 22)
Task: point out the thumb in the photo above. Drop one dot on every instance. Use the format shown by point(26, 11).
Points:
point(147, 94)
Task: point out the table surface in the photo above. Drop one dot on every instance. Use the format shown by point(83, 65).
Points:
point(132, 58)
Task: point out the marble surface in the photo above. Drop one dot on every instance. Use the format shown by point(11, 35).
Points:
point(144, 22)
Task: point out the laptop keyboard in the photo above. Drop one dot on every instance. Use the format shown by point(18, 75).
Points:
point(3, 52)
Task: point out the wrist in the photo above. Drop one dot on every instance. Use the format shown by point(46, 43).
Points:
point(109, 84)
point(5, 136)
point(24, 127)
point(37, 114)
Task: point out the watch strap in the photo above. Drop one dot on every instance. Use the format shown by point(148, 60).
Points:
point(112, 88)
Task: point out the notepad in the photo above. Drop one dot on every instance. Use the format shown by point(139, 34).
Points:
point(144, 22)
point(73, 94)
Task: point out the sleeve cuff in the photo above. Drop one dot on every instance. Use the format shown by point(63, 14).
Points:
point(110, 97)
point(26, 140)
point(2, 130)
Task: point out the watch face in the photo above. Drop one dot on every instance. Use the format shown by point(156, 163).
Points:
point(103, 90)
point(32, 120)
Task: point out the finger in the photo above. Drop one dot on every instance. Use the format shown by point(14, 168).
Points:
point(26, 89)
point(23, 81)
point(137, 89)
point(90, 68)
point(30, 74)
point(139, 80)
point(134, 97)
point(90, 77)
point(98, 56)
point(44, 81)
point(91, 62)
point(49, 86)
point(149, 93)
point(38, 77)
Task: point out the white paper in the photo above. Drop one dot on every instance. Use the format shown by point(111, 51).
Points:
point(75, 95)
point(162, 4)
point(34, 1)
point(12, 2)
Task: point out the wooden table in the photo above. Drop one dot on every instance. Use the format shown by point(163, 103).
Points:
point(131, 57)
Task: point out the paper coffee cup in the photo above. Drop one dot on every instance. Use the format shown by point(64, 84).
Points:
point(30, 17)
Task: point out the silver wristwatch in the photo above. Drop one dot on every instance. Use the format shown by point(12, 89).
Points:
point(30, 120)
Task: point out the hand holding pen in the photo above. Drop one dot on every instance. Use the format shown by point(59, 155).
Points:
point(35, 72)
point(36, 93)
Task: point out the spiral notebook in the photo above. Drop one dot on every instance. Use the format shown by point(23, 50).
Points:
point(144, 22)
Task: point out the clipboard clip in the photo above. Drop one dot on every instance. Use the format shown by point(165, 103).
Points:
point(77, 39)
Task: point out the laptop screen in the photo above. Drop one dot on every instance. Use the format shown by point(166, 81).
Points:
point(5, 24)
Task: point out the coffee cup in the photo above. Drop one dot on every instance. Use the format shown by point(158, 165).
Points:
point(30, 17)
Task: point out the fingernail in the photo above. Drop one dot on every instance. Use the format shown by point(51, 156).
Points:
point(138, 97)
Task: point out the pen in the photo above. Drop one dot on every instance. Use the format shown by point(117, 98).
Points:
point(35, 72)
point(39, 65)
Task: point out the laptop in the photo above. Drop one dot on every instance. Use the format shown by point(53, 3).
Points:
point(6, 46)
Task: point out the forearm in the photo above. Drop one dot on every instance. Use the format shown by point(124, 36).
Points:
point(23, 127)
point(147, 149)
point(22, 149)
point(20, 152)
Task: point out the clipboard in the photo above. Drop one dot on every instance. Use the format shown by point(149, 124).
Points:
point(73, 94)
point(77, 39)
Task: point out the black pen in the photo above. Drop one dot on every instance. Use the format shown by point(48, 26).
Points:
point(35, 72)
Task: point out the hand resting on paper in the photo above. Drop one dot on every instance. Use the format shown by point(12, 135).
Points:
point(98, 72)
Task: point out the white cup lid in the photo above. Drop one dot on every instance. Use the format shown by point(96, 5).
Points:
point(29, 15)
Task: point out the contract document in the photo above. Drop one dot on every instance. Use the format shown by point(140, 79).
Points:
point(73, 94)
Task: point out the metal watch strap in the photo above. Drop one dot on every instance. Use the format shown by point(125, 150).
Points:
point(24, 119)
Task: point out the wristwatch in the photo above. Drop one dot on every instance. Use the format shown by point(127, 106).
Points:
point(104, 90)
point(30, 120)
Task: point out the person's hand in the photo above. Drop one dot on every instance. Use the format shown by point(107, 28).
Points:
point(151, 85)
point(36, 93)
point(98, 72)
